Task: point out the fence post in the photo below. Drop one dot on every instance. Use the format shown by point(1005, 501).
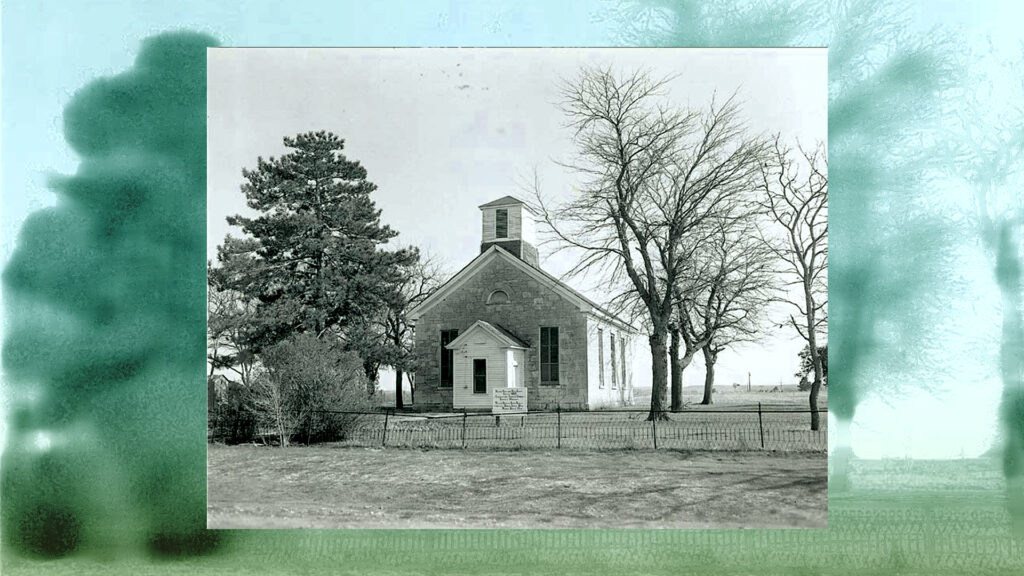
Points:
point(558, 426)
point(760, 424)
point(463, 427)
point(654, 428)
point(384, 437)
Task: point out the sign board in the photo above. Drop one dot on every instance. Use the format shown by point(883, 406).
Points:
point(508, 400)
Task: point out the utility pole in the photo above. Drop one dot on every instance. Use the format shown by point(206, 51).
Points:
point(748, 381)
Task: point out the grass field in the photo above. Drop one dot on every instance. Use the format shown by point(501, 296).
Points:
point(909, 517)
point(331, 487)
point(737, 397)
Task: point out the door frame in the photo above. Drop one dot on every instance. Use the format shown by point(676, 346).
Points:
point(476, 374)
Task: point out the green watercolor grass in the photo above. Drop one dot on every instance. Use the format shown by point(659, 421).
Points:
point(115, 276)
point(957, 524)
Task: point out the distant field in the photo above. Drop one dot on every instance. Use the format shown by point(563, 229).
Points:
point(724, 397)
point(739, 397)
point(332, 487)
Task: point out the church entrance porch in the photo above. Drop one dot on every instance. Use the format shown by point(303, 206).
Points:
point(486, 357)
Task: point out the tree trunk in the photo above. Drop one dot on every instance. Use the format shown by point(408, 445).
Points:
point(842, 454)
point(412, 390)
point(710, 358)
point(676, 371)
point(281, 436)
point(1011, 360)
point(816, 385)
point(659, 374)
point(815, 417)
point(812, 349)
point(398, 389)
point(371, 369)
point(396, 340)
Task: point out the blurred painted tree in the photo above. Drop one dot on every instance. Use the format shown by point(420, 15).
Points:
point(890, 240)
point(104, 300)
point(990, 152)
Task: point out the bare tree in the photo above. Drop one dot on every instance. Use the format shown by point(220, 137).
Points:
point(652, 175)
point(419, 281)
point(888, 79)
point(725, 288)
point(796, 199)
point(270, 403)
point(229, 317)
point(740, 282)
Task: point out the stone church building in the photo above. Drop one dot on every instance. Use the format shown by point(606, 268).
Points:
point(502, 321)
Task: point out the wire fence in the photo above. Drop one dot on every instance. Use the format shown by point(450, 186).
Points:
point(762, 428)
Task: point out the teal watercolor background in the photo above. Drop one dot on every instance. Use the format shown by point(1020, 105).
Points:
point(126, 229)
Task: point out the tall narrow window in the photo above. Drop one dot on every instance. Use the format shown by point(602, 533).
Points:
point(479, 376)
point(549, 355)
point(501, 223)
point(600, 358)
point(615, 380)
point(447, 356)
point(622, 355)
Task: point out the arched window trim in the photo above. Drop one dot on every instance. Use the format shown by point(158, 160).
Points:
point(493, 298)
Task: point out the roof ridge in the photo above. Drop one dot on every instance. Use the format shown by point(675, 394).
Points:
point(507, 199)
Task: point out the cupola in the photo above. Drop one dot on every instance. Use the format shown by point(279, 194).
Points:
point(509, 223)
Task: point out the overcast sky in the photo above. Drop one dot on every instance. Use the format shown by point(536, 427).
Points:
point(441, 131)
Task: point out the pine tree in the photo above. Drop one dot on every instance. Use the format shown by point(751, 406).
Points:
point(314, 259)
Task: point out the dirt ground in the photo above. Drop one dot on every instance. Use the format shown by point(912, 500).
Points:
point(348, 487)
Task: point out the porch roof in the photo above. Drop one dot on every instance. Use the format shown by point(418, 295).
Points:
point(495, 332)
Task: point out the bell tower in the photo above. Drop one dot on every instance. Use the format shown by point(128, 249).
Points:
point(508, 222)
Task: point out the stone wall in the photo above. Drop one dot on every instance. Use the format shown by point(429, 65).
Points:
point(531, 305)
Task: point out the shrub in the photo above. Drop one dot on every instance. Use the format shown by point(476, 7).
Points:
point(232, 423)
point(806, 367)
point(231, 418)
point(302, 381)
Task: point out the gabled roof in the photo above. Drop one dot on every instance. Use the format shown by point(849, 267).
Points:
point(583, 303)
point(510, 335)
point(497, 333)
point(506, 201)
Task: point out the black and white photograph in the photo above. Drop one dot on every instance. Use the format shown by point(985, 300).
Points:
point(517, 288)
